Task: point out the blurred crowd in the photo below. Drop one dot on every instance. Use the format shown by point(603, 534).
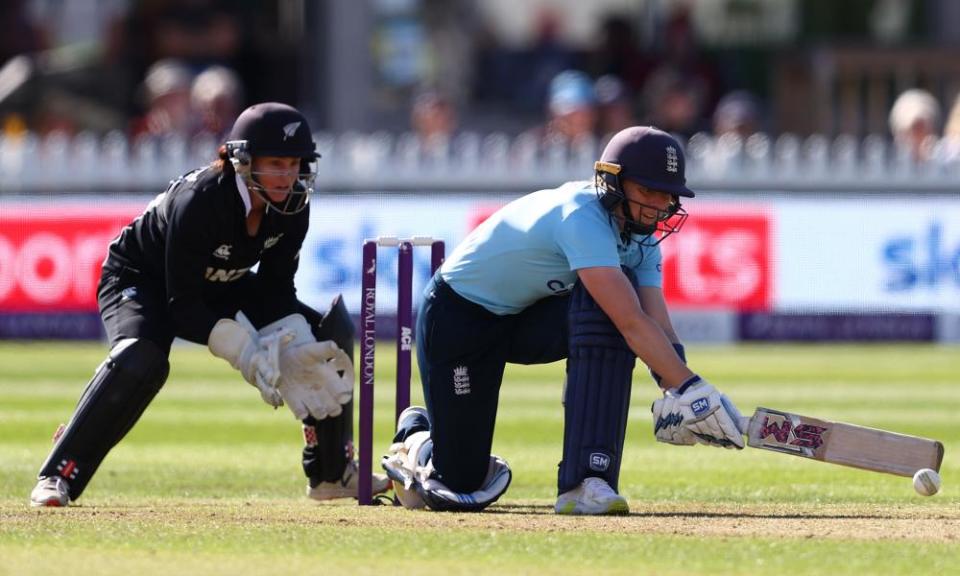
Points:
point(184, 67)
point(593, 93)
point(139, 66)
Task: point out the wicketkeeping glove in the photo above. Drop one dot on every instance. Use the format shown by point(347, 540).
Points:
point(256, 357)
point(697, 412)
point(316, 378)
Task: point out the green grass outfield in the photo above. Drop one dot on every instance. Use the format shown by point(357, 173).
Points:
point(209, 481)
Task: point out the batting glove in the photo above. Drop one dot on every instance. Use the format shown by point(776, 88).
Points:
point(697, 412)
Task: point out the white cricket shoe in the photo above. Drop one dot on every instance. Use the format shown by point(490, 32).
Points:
point(52, 491)
point(347, 485)
point(593, 496)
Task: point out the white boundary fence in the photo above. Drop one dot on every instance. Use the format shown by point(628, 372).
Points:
point(471, 162)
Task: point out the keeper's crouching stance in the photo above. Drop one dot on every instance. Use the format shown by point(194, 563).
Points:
point(575, 273)
point(182, 269)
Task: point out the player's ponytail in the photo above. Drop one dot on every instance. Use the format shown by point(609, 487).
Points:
point(222, 163)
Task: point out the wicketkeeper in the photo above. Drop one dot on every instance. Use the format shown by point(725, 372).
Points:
point(183, 269)
point(573, 273)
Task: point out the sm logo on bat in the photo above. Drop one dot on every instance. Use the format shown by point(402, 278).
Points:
point(781, 431)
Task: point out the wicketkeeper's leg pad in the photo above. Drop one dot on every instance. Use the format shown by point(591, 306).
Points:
point(328, 443)
point(120, 390)
point(597, 395)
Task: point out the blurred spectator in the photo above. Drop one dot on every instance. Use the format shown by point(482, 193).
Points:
point(619, 54)
point(197, 32)
point(674, 103)
point(682, 89)
point(915, 123)
point(166, 90)
point(432, 117)
point(738, 112)
point(453, 27)
point(682, 53)
point(614, 105)
point(19, 34)
point(571, 106)
point(548, 58)
point(216, 98)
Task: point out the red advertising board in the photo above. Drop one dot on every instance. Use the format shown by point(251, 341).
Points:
point(721, 259)
point(50, 254)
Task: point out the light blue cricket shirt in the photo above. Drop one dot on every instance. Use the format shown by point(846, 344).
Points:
point(531, 248)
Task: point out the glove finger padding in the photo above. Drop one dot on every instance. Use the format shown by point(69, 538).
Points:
point(321, 364)
point(306, 400)
point(668, 424)
point(310, 378)
point(315, 378)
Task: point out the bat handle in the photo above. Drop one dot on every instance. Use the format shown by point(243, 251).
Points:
point(744, 424)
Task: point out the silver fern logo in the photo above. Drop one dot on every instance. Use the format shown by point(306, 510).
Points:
point(461, 381)
point(272, 241)
point(673, 163)
point(290, 129)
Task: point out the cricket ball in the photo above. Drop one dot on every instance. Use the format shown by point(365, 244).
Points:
point(926, 482)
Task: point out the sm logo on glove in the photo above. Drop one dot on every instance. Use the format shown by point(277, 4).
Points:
point(700, 406)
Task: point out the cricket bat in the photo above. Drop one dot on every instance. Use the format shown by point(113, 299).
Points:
point(839, 443)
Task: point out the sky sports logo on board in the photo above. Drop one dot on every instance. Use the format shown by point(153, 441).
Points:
point(929, 259)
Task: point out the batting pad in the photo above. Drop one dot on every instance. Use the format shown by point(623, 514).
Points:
point(597, 397)
point(440, 498)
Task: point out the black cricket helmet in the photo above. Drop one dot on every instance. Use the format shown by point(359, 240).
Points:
point(274, 129)
point(654, 159)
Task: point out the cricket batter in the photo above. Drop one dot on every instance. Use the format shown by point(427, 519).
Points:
point(573, 273)
point(183, 269)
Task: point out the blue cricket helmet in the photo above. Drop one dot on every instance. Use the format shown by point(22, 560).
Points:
point(650, 157)
point(653, 159)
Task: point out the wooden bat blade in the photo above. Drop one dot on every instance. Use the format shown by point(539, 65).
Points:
point(844, 444)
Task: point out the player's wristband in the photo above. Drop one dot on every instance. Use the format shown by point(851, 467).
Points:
point(687, 384)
